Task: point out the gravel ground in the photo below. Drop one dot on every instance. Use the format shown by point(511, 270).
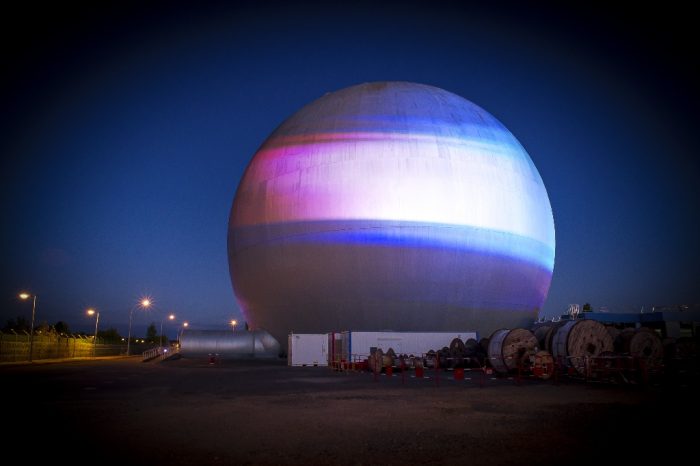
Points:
point(245, 412)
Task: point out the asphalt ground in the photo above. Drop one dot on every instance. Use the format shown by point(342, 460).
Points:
point(187, 411)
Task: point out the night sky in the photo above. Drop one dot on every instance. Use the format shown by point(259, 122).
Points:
point(126, 129)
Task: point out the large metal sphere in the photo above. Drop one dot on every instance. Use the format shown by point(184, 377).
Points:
point(390, 205)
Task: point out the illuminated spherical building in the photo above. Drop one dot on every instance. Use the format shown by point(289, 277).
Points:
point(390, 205)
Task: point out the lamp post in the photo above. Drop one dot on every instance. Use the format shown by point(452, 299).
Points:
point(233, 324)
point(171, 317)
point(184, 326)
point(145, 303)
point(25, 296)
point(91, 312)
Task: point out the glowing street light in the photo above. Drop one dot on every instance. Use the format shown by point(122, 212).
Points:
point(233, 324)
point(25, 296)
point(179, 335)
point(171, 317)
point(92, 312)
point(145, 303)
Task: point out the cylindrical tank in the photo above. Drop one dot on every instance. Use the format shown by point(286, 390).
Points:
point(508, 348)
point(390, 205)
point(576, 340)
point(228, 344)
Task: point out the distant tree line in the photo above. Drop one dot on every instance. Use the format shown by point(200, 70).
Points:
point(21, 325)
point(110, 335)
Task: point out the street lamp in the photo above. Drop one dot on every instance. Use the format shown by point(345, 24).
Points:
point(233, 324)
point(145, 303)
point(179, 335)
point(171, 317)
point(25, 296)
point(92, 312)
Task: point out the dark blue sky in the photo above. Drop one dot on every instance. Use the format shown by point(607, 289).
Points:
point(126, 129)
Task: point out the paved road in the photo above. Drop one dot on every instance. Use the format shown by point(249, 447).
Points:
point(243, 412)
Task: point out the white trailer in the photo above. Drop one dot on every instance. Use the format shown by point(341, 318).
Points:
point(358, 345)
point(307, 349)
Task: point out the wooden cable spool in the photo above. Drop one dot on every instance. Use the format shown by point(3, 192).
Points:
point(615, 335)
point(549, 335)
point(645, 344)
point(376, 361)
point(456, 353)
point(540, 332)
point(388, 358)
point(621, 343)
point(509, 348)
point(443, 357)
point(471, 348)
point(577, 340)
point(484, 344)
point(543, 365)
point(431, 359)
point(457, 345)
point(417, 362)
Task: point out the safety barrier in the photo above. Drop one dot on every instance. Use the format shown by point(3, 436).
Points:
point(429, 367)
point(357, 363)
point(612, 368)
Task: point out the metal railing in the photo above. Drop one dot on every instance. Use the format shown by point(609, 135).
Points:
point(159, 353)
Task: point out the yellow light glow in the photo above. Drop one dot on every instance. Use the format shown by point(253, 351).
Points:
point(171, 317)
point(91, 312)
point(24, 296)
point(233, 322)
point(145, 302)
point(185, 324)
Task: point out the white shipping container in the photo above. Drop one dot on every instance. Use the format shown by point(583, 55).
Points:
point(307, 349)
point(358, 344)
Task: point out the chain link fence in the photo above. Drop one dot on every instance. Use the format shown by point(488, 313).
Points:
point(15, 347)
